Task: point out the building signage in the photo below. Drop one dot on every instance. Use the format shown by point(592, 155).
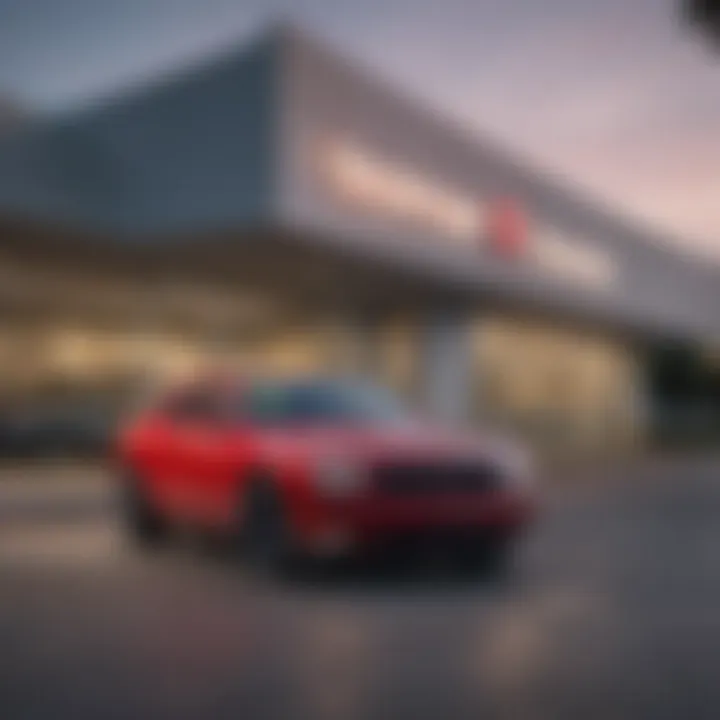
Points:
point(385, 187)
point(506, 228)
point(500, 225)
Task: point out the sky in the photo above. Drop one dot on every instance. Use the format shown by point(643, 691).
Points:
point(617, 96)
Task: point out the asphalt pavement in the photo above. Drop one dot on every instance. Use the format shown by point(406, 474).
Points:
point(612, 612)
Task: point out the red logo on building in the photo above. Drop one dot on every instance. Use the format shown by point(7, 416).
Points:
point(507, 228)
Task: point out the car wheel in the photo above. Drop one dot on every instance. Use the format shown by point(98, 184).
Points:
point(265, 536)
point(491, 558)
point(142, 521)
point(500, 557)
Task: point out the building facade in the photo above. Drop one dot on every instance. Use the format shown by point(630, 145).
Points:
point(280, 207)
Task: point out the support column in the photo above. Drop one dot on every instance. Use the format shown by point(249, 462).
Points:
point(448, 367)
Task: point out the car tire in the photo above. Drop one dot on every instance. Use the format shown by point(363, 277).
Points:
point(491, 558)
point(265, 538)
point(499, 558)
point(142, 521)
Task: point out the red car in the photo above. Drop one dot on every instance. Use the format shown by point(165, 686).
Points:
point(323, 468)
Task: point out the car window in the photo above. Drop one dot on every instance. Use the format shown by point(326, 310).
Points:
point(312, 403)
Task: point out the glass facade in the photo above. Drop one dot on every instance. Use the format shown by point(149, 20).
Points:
point(563, 388)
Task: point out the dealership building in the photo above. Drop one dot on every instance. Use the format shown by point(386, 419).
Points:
point(281, 208)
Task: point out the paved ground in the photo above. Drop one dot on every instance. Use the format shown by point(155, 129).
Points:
point(614, 613)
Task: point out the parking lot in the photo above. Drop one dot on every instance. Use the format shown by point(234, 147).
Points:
point(612, 612)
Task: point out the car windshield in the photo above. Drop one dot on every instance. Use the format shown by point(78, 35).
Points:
point(320, 403)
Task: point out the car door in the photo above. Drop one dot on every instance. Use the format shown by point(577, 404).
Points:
point(203, 456)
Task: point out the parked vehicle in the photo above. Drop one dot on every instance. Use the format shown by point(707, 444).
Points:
point(317, 468)
point(65, 430)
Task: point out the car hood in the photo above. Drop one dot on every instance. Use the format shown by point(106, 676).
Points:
point(416, 442)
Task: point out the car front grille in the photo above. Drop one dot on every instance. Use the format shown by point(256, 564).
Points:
point(434, 478)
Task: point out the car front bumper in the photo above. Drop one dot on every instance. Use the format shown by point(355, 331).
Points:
point(330, 527)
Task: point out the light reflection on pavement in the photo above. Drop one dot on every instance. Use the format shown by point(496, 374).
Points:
point(612, 613)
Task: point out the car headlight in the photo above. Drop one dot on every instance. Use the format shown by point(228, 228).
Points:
point(340, 476)
point(517, 466)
